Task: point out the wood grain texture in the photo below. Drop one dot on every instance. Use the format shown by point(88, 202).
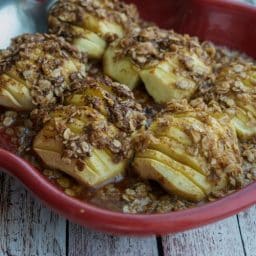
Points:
point(219, 239)
point(86, 242)
point(26, 227)
point(247, 223)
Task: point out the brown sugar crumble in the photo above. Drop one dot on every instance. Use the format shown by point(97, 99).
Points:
point(46, 64)
point(117, 102)
point(96, 132)
point(72, 12)
point(146, 46)
point(131, 195)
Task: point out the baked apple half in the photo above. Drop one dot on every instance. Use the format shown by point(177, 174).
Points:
point(235, 92)
point(170, 65)
point(90, 25)
point(82, 143)
point(190, 152)
point(36, 70)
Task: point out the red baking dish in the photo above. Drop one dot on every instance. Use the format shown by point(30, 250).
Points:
point(226, 23)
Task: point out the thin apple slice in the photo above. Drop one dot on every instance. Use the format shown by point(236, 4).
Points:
point(164, 84)
point(82, 39)
point(120, 69)
point(178, 152)
point(91, 44)
point(197, 178)
point(169, 178)
point(13, 94)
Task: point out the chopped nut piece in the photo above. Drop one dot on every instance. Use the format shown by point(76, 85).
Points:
point(184, 84)
point(191, 150)
point(67, 134)
point(238, 68)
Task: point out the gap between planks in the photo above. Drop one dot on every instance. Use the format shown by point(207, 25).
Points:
point(27, 227)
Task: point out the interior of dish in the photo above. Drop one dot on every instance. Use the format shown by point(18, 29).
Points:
point(128, 116)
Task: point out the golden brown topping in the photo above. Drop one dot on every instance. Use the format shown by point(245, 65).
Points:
point(234, 90)
point(89, 25)
point(92, 128)
point(40, 67)
point(114, 100)
point(82, 128)
point(74, 11)
point(148, 45)
point(140, 197)
point(170, 65)
point(23, 46)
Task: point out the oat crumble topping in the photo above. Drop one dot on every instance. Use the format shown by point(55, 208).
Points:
point(96, 132)
point(73, 12)
point(46, 64)
point(116, 101)
point(147, 46)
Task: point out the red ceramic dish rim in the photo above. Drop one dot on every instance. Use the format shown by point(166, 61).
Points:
point(120, 223)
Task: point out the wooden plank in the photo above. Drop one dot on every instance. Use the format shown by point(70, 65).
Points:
point(86, 242)
point(26, 227)
point(222, 238)
point(247, 223)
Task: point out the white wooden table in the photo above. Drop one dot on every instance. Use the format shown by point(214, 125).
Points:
point(27, 228)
